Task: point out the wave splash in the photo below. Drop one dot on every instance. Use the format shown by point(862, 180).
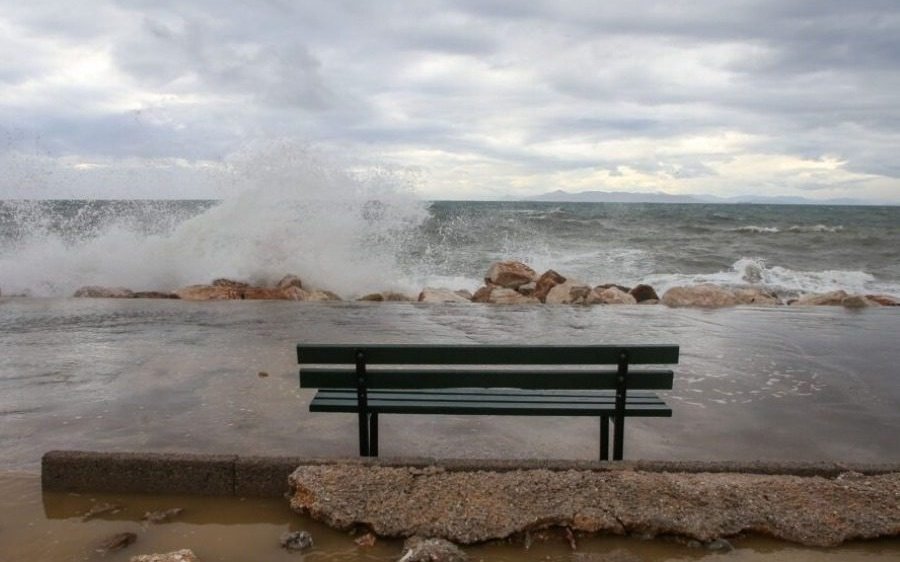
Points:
point(286, 215)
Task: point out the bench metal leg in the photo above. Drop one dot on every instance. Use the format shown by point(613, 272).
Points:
point(373, 435)
point(363, 434)
point(618, 438)
point(604, 438)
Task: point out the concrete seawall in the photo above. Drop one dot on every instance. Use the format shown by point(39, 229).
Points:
point(254, 476)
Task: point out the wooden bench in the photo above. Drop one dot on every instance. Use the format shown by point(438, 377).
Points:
point(513, 380)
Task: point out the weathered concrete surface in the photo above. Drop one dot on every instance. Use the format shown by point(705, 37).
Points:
point(474, 506)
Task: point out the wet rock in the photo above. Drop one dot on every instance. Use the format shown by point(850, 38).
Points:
point(228, 283)
point(611, 295)
point(464, 294)
point(96, 292)
point(755, 296)
point(153, 295)
point(704, 296)
point(475, 506)
point(100, 509)
point(440, 295)
point(528, 288)
point(208, 293)
point(386, 296)
point(545, 282)
point(295, 294)
point(569, 292)
point(856, 301)
point(884, 300)
point(483, 294)
point(510, 274)
point(289, 281)
point(643, 293)
point(650, 301)
point(262, 293)
point(165, 515)
point(834, 298)
point(366, 540)
point(296, 540)
point(509, 296)
point(418, 549)
point(721, 545)
point(603, 286)
point(116, 542)
point(184, 555)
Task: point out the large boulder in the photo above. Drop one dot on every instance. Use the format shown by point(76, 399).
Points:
point(386, 296)
point(230, 283)
point(833, 298)
point(884, 300)
point(290, 281)
point(755, 296)
point(643, 293)
point(610, 295)
point(208, 293)
point(440, 295)
point(545, 282)
point(570, 292)
point(319, 295)
point(500, 295)
point(263, 293)
point(704, 296)
point(93, 291)
point(510, 274)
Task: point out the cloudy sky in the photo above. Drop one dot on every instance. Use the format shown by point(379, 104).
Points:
point(469, 99)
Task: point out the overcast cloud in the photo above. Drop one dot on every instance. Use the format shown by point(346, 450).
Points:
point(478, 98)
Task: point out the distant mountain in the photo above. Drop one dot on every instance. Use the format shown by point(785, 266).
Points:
point(659, 197)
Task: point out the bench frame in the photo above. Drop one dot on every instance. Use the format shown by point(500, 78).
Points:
point(360, 374)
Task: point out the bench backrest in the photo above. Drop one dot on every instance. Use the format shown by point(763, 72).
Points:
point(485, 366)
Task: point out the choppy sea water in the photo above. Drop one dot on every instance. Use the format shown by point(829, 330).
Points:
point(356, 244)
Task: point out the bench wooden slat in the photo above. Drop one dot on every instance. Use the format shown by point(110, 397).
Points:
point(529, 397)
point(323, 377)
point(488, 408)
point(413, 354)
point(491, 393)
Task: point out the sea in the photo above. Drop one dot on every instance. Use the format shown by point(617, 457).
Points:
point(778, 383)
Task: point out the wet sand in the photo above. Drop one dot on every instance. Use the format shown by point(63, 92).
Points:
point(48, 527)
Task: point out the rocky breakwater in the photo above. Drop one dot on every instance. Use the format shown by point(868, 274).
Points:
point(516, 283)
point(471, 506)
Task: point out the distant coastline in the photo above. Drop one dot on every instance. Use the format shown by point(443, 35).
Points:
point(562, 196)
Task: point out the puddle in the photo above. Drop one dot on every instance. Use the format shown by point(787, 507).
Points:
point(39, 527)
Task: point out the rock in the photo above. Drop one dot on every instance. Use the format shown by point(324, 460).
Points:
point(295, 294)
point(440, 295)
point(884, 300)
point(371, 297)
point(296, 540)
point(611, 295)
point(262, 293)
point(418, 549)
point(650, 301)
point(208, 293)
point(165, 515)
point(318, 295)
point(95, 292)
point(753, 295)
point(857, 301)
point(834, 298)
point(510, 274)
point(366, 540)
point(545, 282)
point(499, 295)
point(705, 296)
point(472, 506)
point(622, 288)
point(528, 288)
point(116, 542)
point(720, 545)
point(153, 295)
point(230, 284)
point(643, 293)
point(569, 292)
point(483, 294)
point(100, 509)
point(386, 296)
point(184, 555)
point(289, 281)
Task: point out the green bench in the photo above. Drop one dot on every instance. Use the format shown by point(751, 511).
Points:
point(511, 380)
